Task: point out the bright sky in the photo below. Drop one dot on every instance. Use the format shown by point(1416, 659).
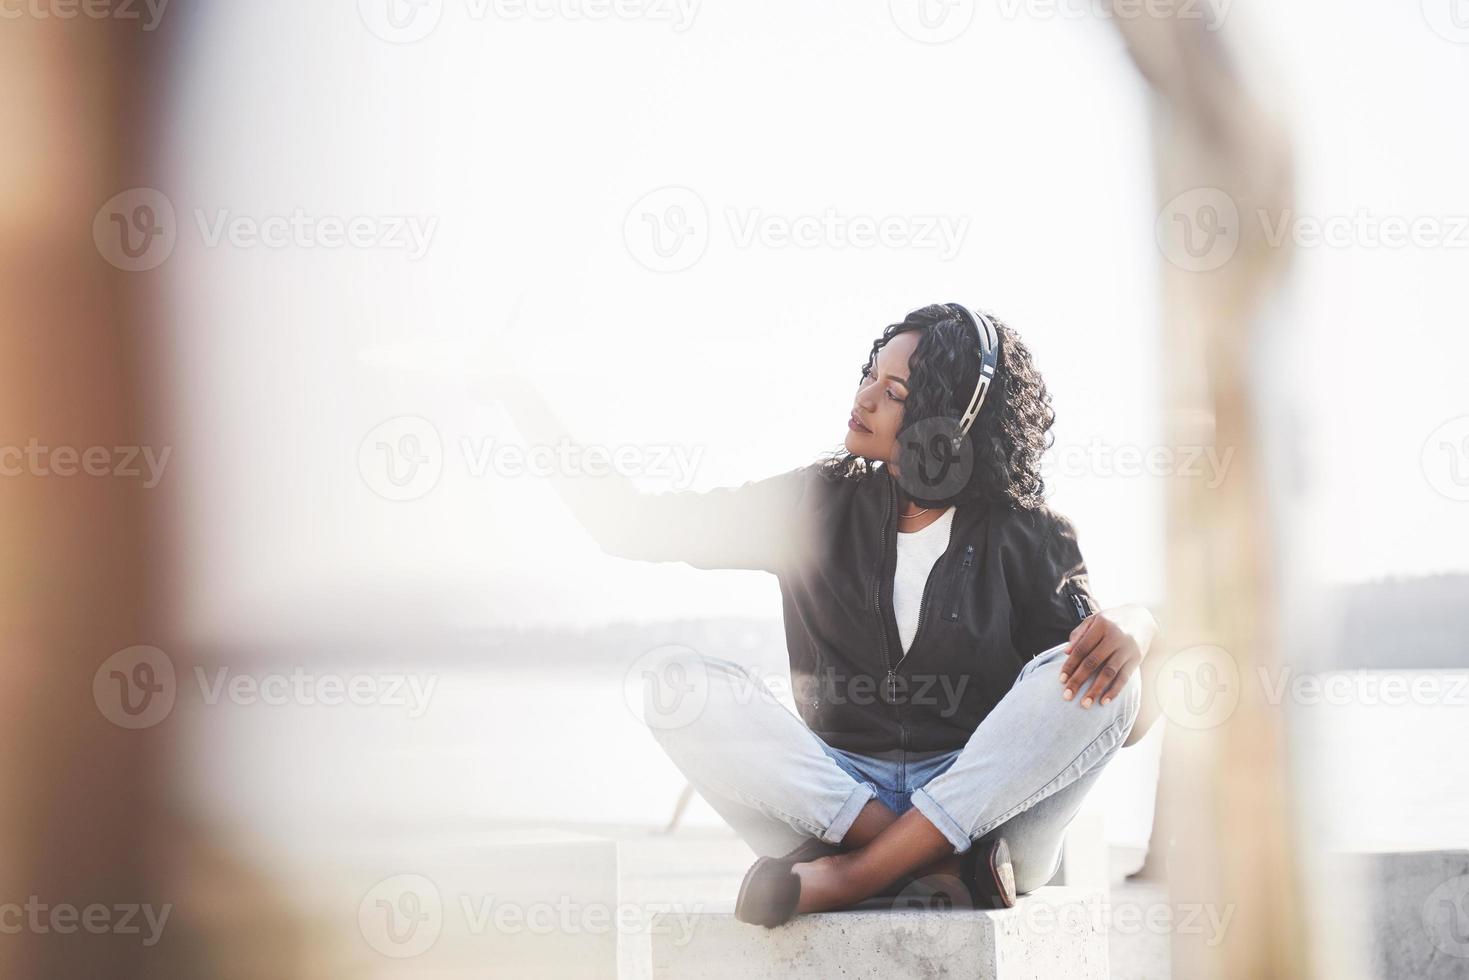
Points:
point(525, 150)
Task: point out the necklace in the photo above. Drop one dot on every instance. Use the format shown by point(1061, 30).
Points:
point(918, 514)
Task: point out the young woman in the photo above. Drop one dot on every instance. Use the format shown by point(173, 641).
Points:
point(959, 690)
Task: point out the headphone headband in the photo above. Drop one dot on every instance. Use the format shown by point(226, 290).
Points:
point(989, 361)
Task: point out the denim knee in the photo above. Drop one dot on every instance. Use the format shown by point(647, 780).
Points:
point(1123, 708)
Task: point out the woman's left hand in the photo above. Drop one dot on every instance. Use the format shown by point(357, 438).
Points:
point(1106, 649)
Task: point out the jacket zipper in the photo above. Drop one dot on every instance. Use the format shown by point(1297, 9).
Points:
point(963, 581)
point(890, 688)
point(923, 596)
point(1082, 607)
point(882, 624)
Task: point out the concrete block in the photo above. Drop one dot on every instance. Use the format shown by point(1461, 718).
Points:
point(523, 904)
point(1051, 933)
point(1085, 860)
point(1411, 910)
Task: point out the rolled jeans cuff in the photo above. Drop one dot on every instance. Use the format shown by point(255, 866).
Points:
point(940, 818)
point(847, 815)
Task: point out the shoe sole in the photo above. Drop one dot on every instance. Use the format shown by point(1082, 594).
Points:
point(1002, 873)
point(764, 868)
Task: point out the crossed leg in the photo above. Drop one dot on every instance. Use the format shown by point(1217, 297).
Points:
point(1026, 766)
point(1024, 772)
point(752, 759)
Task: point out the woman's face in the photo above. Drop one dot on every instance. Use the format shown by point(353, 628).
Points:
point(878, 407)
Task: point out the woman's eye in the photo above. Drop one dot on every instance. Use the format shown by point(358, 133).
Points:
point(893, 396)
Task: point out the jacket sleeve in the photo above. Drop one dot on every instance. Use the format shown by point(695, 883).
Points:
point(1059, 595)
point(758, 525)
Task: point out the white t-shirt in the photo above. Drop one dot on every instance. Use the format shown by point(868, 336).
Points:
point(917, 551)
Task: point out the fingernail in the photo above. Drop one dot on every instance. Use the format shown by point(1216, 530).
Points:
point(1105, 700)
point(1066, 694)
point(1086, 703)
point(1063, 678)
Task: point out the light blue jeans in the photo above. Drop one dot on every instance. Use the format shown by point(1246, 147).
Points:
point(1023, 772)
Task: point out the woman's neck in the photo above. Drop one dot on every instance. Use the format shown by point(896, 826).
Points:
point(913, 517)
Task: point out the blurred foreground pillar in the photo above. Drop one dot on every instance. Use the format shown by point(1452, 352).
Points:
point(1222, 165)
point(79, 569)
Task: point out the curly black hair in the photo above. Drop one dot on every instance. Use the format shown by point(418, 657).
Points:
point(1012, 430)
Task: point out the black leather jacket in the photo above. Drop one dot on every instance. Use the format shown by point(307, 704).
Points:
point(1011, 584)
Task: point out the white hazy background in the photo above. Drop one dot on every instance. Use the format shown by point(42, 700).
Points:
point(529, 142)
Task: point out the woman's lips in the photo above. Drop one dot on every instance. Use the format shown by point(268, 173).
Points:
point(856, 426)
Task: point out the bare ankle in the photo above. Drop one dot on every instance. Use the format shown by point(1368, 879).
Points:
point(946, 865)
